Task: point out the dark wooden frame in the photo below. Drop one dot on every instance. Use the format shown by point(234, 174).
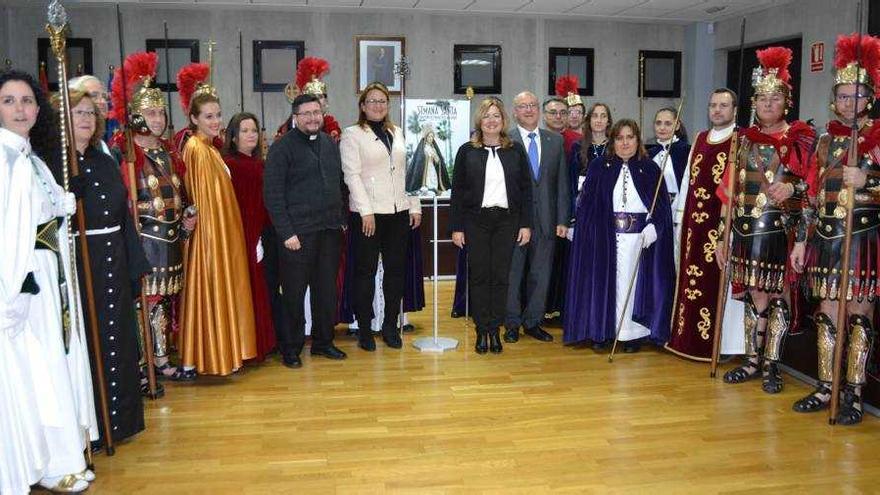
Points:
point(158, 45)
point(44, 55)
point(586, 86)
point(358, 83)
point(744, 111)
point(494, 50)
point(663, 55)
point(299, 48)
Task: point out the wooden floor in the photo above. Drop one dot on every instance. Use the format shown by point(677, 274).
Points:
point(538, 418)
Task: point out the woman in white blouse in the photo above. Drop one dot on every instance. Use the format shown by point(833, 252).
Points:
point(491, 210)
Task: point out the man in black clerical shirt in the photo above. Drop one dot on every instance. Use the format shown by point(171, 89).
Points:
point(302, 188)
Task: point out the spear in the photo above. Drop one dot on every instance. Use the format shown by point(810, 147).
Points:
point(167, 80)
point(240, 73)
point(632, 280)
point(847, 203)
point(57, 28)
point(721, 301)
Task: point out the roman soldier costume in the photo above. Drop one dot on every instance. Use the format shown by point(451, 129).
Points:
point(160, 197)
point(859, 66)
point(762, 229)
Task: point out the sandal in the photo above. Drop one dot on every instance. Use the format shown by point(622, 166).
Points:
point(68, 483)
point(183, 375)
point(145, 390)
point(743, 373)
point(164, 371)
point(771, 381)
point(815, 401)
point(851, 409)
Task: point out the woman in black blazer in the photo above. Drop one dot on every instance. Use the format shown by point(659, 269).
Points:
point(491, 208)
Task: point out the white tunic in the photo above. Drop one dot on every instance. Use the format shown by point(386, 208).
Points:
point(628, 247)
point(60, 382)
point(23, 450)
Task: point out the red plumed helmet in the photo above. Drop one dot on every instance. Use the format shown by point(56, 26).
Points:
point(189, 79)
point(139, 67)
point(779, 58)
point(309, 69)
point(567, 84)
point(855, 63)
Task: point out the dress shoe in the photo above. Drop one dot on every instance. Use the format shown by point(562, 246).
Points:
point(495, 341)
point(392, 340)
point(632, 346)
point(291, 361)
point(366, 341)
point(330, 352)
point(511, 335)
point(482, 344)
point(408, 328)
point(539, 334)
point(455, 314)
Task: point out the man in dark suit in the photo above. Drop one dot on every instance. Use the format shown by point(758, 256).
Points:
point(533, 262)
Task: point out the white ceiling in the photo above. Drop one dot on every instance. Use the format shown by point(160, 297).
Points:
point(683, 11)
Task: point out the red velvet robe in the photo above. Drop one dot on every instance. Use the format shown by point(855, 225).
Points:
point(247, 180)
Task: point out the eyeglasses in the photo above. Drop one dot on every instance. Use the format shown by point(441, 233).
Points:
point(577, 112)
point(527, 106)
point(376, 102)
point(557, 113)
point(313, 113)
point(81, 114)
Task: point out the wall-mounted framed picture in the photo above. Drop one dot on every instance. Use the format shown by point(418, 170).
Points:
point(375, 60)
point(477, 67)
point(579, 62)
point(661, 74)
point(180, 53)
point(275, 63)
point(79, 59)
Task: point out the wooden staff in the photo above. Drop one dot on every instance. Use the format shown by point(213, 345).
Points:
point(632, 280)
point(843, 287)
point(168, 83)
point(240, 73)
point(57, 28)
point(641, 89)
point(732, 160)
point(128, 160)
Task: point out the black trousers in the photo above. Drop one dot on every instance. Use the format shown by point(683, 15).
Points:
point(390, 240)
point(272, 250)
point(313, 265)
point(490, 238)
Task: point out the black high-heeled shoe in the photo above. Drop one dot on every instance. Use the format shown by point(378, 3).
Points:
point(495, 346)
point(482, 344)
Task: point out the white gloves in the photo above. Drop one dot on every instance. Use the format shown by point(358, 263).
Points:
point(649, 235)
point(570, 234)
point(259, 250)
point(69, 203)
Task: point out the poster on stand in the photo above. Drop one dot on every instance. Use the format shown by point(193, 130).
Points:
point(434, 130)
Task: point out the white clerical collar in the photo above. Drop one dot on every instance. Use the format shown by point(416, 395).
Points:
point(716, 135)
point(15, 141)
point(312, 137)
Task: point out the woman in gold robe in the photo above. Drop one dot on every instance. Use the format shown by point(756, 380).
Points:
point(217, 329)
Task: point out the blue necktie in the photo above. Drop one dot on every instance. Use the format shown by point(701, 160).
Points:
point(533, 154)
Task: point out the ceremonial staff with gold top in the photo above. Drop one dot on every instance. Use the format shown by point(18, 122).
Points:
point(641, 91)
point(128, 166)
point(57, 28)
point(852, 160)
point(632, 281)
point(721, 302)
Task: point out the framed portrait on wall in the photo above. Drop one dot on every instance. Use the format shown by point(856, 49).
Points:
point(375, 60)
point(275, 63)
point(180, 53)
point(477, 67)
point(79, 59)
point(660, 74)
point(578, 62)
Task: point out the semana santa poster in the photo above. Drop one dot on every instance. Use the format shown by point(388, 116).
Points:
point(434, 131)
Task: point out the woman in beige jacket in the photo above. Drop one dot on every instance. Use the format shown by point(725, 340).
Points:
point(374, 165)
